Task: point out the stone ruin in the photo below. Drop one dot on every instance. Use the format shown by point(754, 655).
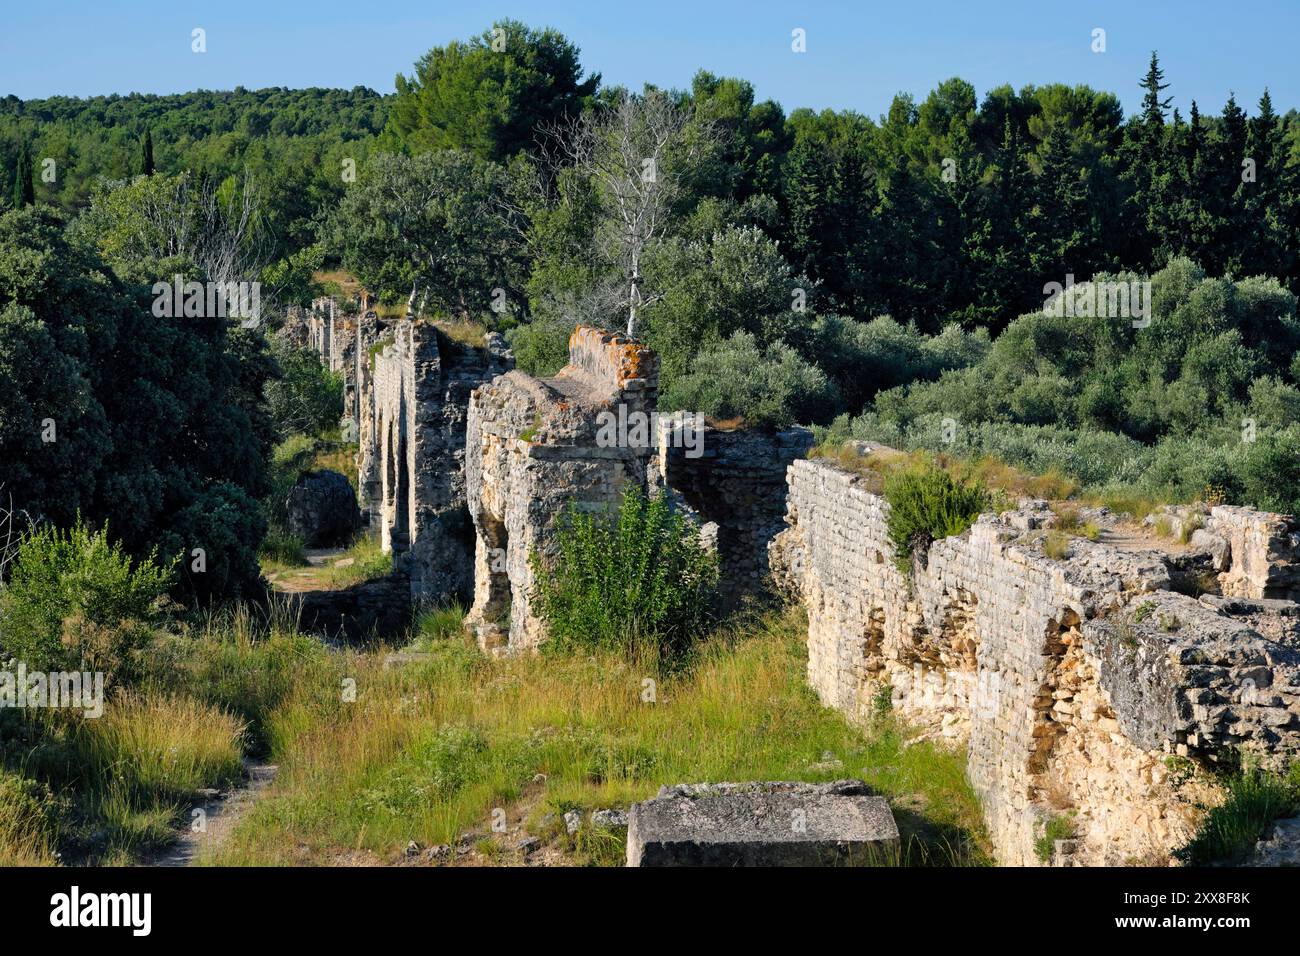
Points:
point(1082, 687)
point(778, 823)
point(533, 452)
point(406, 397)
point(464, 464)
point(413, 414)
point(539, 446)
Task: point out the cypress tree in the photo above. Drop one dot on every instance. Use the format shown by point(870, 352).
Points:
point(24, 187)
point(1153, 107)
point(146, 153)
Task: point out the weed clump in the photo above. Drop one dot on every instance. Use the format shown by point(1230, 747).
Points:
point(926, 504)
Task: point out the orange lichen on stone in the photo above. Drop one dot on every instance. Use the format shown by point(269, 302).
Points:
point(632, 361)
point(611, 356)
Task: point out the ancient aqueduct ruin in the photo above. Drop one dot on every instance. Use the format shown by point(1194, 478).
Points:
point(1078, 685)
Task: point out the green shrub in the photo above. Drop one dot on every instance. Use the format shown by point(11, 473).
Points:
point(308, 397)
point(926, 504)
point(28, 821)
point(736, 378)
point(637, 579)
point(74, 575)
point(541, 347)
point(1229, 831)
point(228, 526)
point(1056, 828)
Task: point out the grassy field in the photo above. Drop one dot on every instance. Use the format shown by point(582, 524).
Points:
point(428, 751)
point(374, 757)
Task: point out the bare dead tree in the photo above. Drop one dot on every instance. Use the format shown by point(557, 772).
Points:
point(638, 153)
point(223, 236)
point(232, 245)
point(14, 525)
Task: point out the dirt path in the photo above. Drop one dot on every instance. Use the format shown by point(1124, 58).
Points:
point(314, 577)
point(221, 813)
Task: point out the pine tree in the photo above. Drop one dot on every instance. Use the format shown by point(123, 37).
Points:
point(1149, 175)
point(1228, 191)
point(1062, 210)
point(1153, 107)
point(808, 178)
point(146, 153)
point(1195, 137)
point(1264, 236)
point(24, 187)
point(1264, 141)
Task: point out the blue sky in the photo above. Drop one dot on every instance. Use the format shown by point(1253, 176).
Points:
point(858, 54)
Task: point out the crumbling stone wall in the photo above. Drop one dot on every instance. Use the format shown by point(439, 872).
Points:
point(735, 480)
point(413, 432)
point(534, 450)
point(1070, 682)
point(1263, 551)
point(538, 445)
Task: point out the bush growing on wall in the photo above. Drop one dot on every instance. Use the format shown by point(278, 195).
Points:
point(638, 579)
point(926, 504)
point(308, 398)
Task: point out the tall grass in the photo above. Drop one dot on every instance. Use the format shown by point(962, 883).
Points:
point(126, 777)
point(366, 561)
point(1254, 799)
point(426, 751)
point(159, 748)
point(28, 822)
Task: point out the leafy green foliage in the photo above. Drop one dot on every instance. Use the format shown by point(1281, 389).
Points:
point(66, 583)
point(926, 504)
point(432, 221)
point(1054, 828)
point(148, 423)
point(638, 580)
point(1203, 396)
point(490, 95)
point(307, 398)
point(292, 143)
point(734, 378)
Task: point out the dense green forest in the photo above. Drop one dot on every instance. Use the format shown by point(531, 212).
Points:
point(292, 141)
point(878, 277)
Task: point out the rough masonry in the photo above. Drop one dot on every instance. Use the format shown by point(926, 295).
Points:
point(1083, 687)
point(406, 398)
point(539, 446)
point(1094, 687)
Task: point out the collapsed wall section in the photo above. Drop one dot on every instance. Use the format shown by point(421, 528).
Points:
point(1070, 681)
point(734, 479)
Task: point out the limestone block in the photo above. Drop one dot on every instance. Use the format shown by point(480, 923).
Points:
point(762, 824)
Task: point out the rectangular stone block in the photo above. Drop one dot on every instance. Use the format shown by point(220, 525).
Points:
point(763, 824)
